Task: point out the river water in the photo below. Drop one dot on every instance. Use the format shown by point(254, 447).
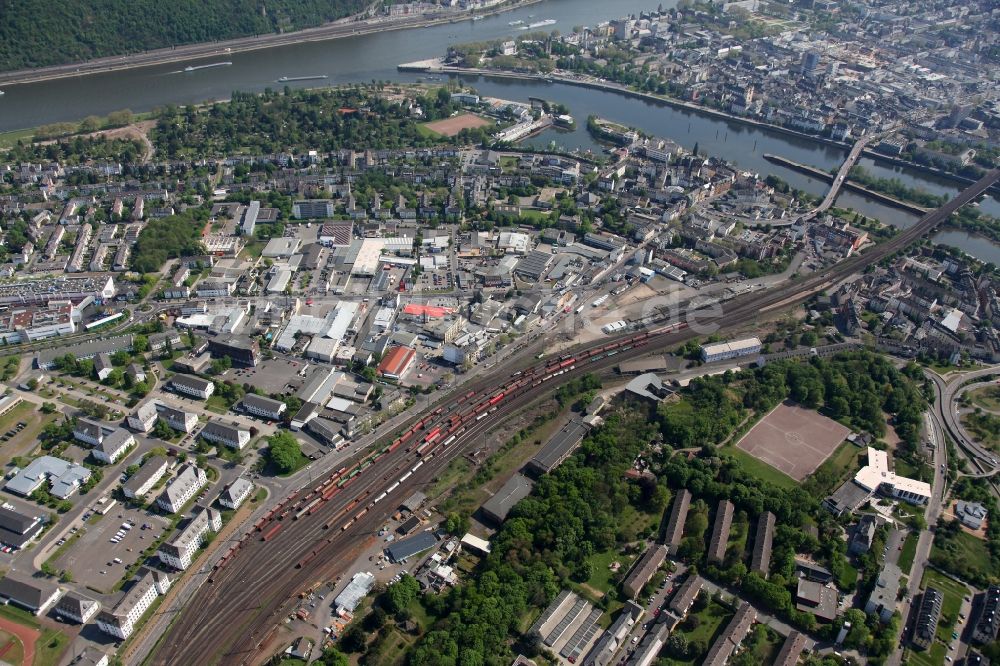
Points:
point(375, 57)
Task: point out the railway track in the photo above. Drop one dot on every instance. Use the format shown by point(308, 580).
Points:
point(231, 619)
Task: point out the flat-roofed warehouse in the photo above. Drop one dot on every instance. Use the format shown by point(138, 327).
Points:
point(726, 350)
point(497, 507)
point(558, 448)
point(533, 265)
point(641, 366)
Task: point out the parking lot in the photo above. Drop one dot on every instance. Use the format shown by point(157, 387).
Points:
point(271, 376)
point(91, 558)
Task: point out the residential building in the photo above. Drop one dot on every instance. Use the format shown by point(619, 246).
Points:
point(863, 535)
point(720, 531)
point(229, 435)
point(791, 649)
point(179, 551)
point(148, 475)
point(685, 596)
point(76, 607)
point(267, 408)
point(760, 560)
point(678, 516)
point(143, 419)
point(193, 386)
point(17, 529)
point(729, 641)
point(87, 431)
point(928, 614)
point(177, 419)
point(882, 601)
point(31, 594)
point(120, 620)
point(189, 480)
point(236, 493)
point(988, 623)
point(644, 569)
point(816, 598)
point(113, 446)
point(103, 366)
point(972, 514)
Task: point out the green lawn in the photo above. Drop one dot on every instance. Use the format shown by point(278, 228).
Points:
point(761, 469)
point(987, 397)
point(50, 647)
point(600, 579)
point(835, 469)
point(217, 404)
point(969, 550)
point(425, 131)
point(909, 551)
point(712, 620)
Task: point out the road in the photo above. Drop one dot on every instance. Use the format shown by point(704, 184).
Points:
point(231, 620)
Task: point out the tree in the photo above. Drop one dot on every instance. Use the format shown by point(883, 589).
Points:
point(140, 344)
point(284, 452)
point(400, 595)
point(334, 657)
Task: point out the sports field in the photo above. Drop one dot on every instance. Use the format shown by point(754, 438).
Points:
point(455, 124)
point(793, 440)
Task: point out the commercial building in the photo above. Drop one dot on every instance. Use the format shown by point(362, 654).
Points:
point(147, 476)
point(726, 350)
point(760, 560)
point(183, 487)
point(816, 598)
point(882, 601)
point(30, 594)
point(313, 209)
point(77, 608)
point(193, 386)
point(972, 514)
point(18, 529)
point(243, 353)
point(644, 569)
point(720, 531)
point(179, 551)
point(734, 633)
point(229, 435)
point(675, 523)
point(396, 362)
point(876, 477)
point(925, 627)
point(497, 507)
point(236, 493)
point(400, 551)
point(120, 620)
point(267, 408)
point(558, 448)
point(65, 478)
point(359, 587)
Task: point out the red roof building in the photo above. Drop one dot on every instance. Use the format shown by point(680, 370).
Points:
point(396, 362)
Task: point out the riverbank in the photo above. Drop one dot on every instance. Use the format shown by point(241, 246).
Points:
point(849, 184)
point(352, 26)
point(435, 66)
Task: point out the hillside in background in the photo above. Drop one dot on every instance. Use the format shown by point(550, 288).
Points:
point(36, 33)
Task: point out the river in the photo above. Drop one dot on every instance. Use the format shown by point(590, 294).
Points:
point(375, 57)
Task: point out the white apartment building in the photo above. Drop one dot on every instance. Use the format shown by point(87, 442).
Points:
point(183, 487)
point(179, 552)
point(120, 620)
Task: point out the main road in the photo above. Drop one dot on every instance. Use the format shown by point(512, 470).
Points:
point(231, 619)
